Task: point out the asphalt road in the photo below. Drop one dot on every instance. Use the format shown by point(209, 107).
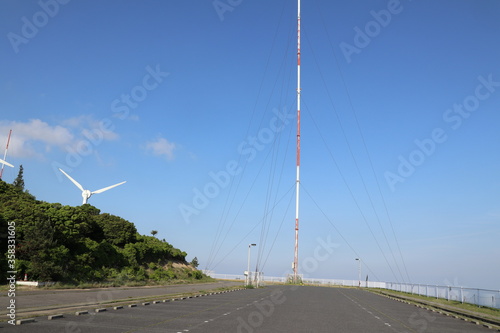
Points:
point(270, 309)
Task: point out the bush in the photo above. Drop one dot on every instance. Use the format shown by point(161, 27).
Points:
point(161, 274)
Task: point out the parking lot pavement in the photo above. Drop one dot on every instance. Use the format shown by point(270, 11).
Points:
point(270, 309)
point(33, 302)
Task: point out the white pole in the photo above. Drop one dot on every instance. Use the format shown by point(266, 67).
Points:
point(248, 266)
point(359, 272)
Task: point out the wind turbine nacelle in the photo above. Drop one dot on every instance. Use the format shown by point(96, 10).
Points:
point(86, 194)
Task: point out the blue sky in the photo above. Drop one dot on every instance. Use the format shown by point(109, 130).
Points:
point(193, 104)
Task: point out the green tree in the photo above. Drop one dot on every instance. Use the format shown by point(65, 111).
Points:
point(117, 231)
point(3, 248)
point(194, 262)
point(19, 181)
point(154, 232)
point(73, 224)
point(39, 254)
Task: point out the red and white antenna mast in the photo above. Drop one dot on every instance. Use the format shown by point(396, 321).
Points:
point(5, 153)
point(297, 182)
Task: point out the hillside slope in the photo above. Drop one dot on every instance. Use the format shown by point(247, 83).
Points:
point(80, 244)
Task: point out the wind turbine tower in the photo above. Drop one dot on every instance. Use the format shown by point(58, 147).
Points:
point(86, 194)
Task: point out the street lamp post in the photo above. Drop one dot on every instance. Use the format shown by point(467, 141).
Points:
point(248, 266)
point(359, 272)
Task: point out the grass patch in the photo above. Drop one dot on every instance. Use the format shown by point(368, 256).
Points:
point(484, 310)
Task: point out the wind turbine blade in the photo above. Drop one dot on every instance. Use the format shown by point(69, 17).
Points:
point(107, 188)
point(6, 163)
point(72, 180)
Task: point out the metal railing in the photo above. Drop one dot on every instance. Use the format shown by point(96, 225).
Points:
point(476, 296)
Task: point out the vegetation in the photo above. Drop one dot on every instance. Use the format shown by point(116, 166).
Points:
point(194, 262)
point(19, 181)
point(294, 280)
point(76, 245)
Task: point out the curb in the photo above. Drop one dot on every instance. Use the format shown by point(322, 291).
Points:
point(25, 321)
point(57, 316)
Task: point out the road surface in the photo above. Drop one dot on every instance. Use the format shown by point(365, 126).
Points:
point(269, 309)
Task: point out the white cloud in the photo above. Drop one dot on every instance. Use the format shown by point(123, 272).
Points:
point(28, 137)
point(161, 147)
point(35, 137)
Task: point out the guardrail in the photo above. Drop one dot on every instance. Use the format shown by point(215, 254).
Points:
point(476, 296)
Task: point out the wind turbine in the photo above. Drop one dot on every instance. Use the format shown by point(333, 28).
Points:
point(86, 194)
point(3, 162)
